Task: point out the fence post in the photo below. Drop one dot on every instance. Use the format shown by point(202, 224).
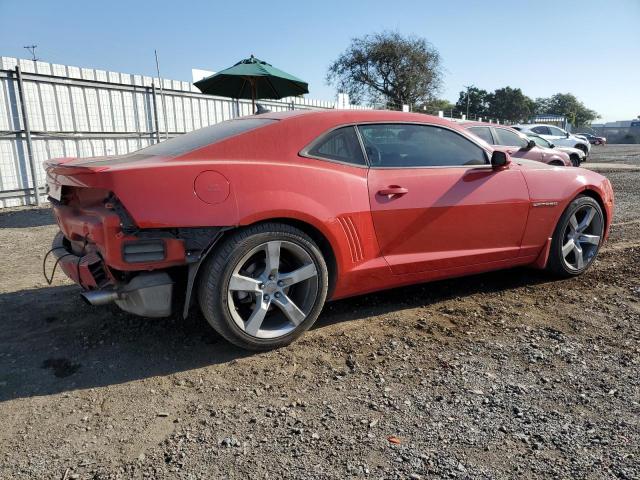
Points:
point(27, 133)
point(155, 111)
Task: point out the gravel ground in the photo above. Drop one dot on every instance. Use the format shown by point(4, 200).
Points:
point(508, 374)
point(629, 154)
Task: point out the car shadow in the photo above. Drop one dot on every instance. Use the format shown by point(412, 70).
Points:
point(27, 217)
point(426, 294)
point(52, 342)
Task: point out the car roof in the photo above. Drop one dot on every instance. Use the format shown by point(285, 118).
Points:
point(466, 124)
point(353, 116)
point(538, 125)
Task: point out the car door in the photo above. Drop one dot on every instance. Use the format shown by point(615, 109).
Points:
point(436, 202)
point(517, 145)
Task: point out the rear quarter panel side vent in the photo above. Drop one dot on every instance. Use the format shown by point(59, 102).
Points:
point(353, 237)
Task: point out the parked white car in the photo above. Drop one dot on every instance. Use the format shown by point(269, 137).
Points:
point(576, 155)
point(556, 135)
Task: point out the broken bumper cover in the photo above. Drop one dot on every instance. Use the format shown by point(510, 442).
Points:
point(148, 294)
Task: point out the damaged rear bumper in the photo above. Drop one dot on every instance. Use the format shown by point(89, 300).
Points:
point(148, 294)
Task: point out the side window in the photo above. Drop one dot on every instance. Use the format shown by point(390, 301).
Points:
point(510, 139)
point(483, 132)
point(541, 142)
point(557, 131)
point(541, 130)
point(408, 145)
point(341, 144)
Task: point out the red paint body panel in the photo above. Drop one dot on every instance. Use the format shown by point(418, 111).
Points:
point(450, 217)
point(451, 221)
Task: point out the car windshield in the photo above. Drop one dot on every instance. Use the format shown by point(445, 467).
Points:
point(204, 136)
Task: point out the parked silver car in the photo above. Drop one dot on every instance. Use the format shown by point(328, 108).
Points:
point(556, 135)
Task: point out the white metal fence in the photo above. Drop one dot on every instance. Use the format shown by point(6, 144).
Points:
point(81, 112)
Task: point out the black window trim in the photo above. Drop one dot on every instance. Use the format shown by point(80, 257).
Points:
point(305, 151)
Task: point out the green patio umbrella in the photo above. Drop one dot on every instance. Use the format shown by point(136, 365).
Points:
point(252, 78)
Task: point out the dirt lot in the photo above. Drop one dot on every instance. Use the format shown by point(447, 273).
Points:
point(509, 374)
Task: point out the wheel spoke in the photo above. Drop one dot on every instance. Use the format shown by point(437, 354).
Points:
point(299, 275)
point(592, 239)
point(586, 221)
point(254, 322)
point(573, 221)
point(240, 283)
point(568, 247)
point(290, 309)
point(273, 257)
point(577, 250)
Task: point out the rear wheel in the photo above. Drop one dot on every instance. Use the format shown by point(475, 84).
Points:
point(264, 286)
point(577, 238)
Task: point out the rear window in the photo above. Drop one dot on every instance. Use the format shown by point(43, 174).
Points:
point(341, 145)
point(205, 136)
point(483, 132)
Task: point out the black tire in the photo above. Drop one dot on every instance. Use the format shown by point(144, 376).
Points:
point(214, 294)
point(575, 160)
point(557, 263)
point(582, 147)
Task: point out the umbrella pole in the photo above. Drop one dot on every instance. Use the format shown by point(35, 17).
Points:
point(253, 96)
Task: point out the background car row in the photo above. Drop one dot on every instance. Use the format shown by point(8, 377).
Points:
point(544, 143)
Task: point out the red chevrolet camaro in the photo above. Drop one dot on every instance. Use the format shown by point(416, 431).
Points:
point(264, 218)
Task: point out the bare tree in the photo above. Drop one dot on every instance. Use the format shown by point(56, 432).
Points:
point(388, 68)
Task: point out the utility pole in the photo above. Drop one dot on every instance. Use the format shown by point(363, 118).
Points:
point(32, 50)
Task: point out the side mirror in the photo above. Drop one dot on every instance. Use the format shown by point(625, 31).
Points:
point(499, 159)
point(551, 145)
point(530, 144)
point(567, 134)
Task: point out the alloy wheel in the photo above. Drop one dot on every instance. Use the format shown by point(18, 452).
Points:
point(272, 289)
point(582, 237)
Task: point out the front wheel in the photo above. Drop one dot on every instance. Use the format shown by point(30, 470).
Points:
point(577, 238)
point(264, 286)
point(575, 160)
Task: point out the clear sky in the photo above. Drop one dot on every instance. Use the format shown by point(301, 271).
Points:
point(590, 47)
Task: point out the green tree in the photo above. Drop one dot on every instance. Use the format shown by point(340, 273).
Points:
point(509, 104)
point(434, 106)
point(568, 105)
point(477, 101)
point(388, 68)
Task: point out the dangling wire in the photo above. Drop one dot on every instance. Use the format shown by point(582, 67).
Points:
point(55, 265)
